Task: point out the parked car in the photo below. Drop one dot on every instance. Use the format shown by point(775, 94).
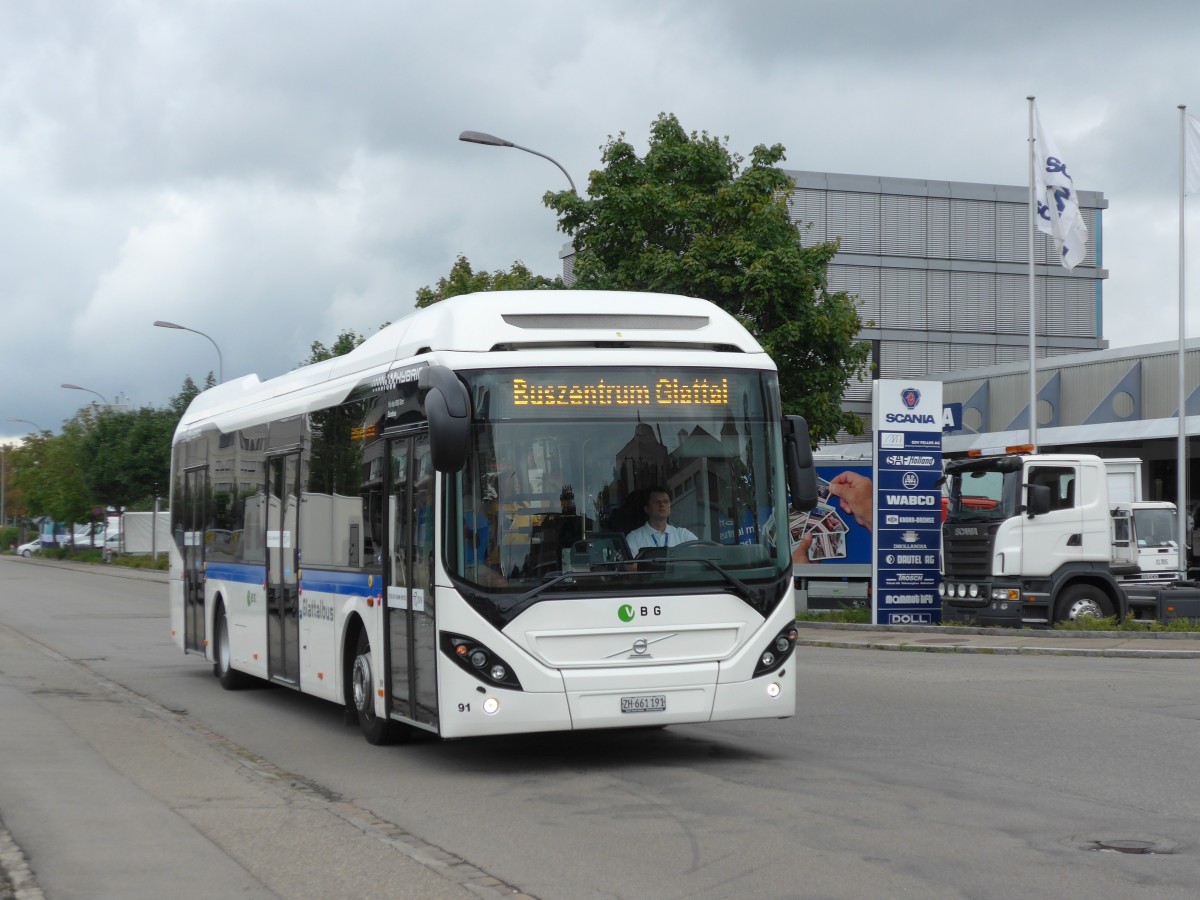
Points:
point(89, 536)
point(32, 547)
point(112, 544)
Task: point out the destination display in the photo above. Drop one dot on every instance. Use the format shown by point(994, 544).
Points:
point(532, 393)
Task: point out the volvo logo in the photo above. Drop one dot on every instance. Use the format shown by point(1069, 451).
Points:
point(640, 648)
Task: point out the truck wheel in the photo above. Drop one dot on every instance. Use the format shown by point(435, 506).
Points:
point(1083, 600)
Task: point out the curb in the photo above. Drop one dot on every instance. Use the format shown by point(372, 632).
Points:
point(1112, 652)
point(1007, 642)
point(16, 878)
point(1038, 633)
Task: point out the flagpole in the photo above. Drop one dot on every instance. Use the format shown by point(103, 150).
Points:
point(1181, 473)
point(1032, 291)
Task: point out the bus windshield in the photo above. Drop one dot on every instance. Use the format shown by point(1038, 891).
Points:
point(564, 464)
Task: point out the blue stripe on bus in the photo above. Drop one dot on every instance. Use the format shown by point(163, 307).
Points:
point(352, 584)
point(236, 572)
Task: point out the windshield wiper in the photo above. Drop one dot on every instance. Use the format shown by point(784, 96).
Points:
point(743, 590)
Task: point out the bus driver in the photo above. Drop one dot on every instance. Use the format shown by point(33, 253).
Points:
point(657, 532)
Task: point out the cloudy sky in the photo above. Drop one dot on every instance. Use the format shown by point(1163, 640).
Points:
point(272, 172)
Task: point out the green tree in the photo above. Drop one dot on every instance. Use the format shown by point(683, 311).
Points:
point(689, 218)
point(463, 279)
point(127, 455)
point(50, 474)
point(343, 344)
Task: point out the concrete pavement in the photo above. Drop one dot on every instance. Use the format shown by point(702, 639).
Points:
point(111, 795)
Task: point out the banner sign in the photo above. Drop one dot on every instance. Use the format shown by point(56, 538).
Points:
point(907, 517)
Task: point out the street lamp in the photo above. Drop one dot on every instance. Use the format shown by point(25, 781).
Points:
point(27, 422)
point(220, 359)
point(490, 140)
point(75, 387)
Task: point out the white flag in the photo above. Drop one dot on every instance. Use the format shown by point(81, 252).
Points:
point(1057, 206)
point(1191, 141)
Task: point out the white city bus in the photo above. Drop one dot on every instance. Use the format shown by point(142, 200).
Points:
point(431, 529)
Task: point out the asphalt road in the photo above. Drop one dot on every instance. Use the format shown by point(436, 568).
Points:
point(126, 772)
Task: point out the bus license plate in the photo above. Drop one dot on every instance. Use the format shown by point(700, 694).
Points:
point(647, 703)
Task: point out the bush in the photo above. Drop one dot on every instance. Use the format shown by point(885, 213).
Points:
point(855, 615)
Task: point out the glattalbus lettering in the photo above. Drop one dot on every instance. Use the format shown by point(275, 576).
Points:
point(664, 392)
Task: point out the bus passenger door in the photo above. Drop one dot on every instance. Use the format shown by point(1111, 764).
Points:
point(195, 489)
point(283, 594)
point(412, 635)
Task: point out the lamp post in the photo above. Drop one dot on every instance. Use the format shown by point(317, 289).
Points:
point(75, 387)
point(27, 422)
point(490, 140)
point(220, 359)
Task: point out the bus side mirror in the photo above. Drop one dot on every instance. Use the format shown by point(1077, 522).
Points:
point(447, 406)
point(798, 462)
point(1038, 499)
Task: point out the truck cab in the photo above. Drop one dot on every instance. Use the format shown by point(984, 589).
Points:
point(1029, 540)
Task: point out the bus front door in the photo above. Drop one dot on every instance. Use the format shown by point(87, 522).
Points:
point(195, 489)
point(283, 593)
point(412, 636)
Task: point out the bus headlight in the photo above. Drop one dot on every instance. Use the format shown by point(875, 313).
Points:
point(780, 648)
point(472, 656)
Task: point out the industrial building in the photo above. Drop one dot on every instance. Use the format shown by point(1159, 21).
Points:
point(941, 269)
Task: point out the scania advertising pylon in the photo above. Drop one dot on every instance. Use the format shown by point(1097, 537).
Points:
point(907, 511)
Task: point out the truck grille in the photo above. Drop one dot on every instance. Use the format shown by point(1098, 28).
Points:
point(967, 550)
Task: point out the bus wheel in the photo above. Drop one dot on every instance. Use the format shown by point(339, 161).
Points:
point(374, 729)
point(230, 679)
point(1081, 600)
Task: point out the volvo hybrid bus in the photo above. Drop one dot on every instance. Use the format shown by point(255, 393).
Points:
point(431, 530)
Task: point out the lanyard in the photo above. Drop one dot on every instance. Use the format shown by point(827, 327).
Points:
point(666, 538)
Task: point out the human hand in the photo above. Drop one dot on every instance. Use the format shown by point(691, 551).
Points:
point(854, 491)
point(800, 551)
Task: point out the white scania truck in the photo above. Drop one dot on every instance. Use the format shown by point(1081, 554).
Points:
point(1034, 539)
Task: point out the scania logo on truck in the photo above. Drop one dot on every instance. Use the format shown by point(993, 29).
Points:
point(966, 532)
point(910, 500)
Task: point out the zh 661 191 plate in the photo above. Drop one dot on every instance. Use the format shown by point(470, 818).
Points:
point(644, 703)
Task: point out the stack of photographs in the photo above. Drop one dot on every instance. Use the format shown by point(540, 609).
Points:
point(824, 523)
